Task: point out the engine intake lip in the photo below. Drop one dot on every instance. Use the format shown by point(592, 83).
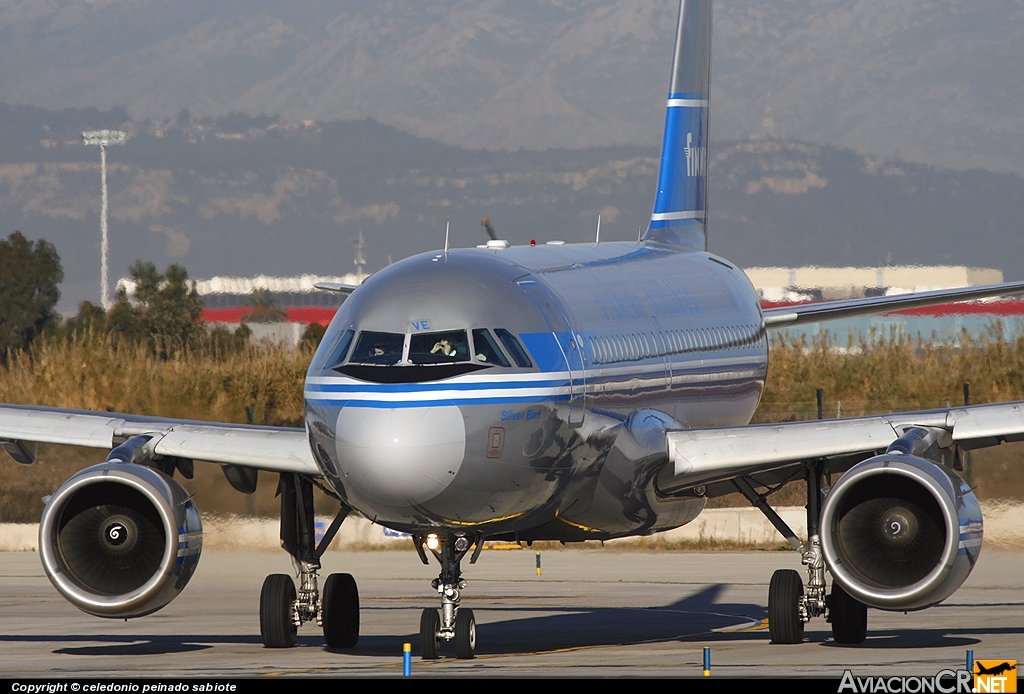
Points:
point(902, 489)
point(92, 593)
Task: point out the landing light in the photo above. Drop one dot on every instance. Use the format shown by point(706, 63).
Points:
point(433, 542)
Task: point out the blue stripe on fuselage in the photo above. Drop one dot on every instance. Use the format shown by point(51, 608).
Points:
point(507, 390)
point(395, 404)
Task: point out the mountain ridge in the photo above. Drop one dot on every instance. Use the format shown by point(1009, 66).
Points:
point(241, 195)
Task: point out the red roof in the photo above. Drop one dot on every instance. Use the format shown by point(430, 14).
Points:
point(303, 314)
point(313, 314)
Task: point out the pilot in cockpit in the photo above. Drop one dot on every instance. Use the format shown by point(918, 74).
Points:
point(444, 347)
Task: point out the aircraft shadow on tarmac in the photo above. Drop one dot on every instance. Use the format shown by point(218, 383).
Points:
point(693, 615)
point(547, 629)
point(698, 615)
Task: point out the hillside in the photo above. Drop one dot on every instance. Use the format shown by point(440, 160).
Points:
point(241, 195)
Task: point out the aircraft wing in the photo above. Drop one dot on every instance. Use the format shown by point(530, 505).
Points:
point(706, 456)
point(786, 316)
point(337, 287)
point(277, 449)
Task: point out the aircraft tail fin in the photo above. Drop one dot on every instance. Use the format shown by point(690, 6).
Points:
point(680, 205)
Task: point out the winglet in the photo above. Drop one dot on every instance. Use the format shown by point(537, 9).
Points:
point(680, 205)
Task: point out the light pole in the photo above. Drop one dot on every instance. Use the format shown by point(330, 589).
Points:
point(104, 138)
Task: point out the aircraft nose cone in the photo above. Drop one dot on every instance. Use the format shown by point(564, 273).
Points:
point(400, 455)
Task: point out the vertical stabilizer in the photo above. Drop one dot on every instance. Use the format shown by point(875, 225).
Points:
point(681, 203)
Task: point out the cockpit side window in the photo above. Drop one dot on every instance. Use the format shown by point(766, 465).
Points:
point(445, 347)
point(511, 342)
point(487, 350)
point(334, 353)
point(378, 348)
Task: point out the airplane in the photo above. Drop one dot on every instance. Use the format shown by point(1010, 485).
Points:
point(559, 392)
point(995, 669)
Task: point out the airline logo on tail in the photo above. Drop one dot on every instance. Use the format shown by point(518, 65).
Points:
point(680, 202)
point(696, 158)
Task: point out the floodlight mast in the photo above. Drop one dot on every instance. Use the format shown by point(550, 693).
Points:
point(104, 138)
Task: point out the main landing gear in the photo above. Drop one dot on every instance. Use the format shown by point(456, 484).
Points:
point(453, 623)
point(282, 611)
point(790, 604)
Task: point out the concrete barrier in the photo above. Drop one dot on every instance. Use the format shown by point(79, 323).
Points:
point(729, 527)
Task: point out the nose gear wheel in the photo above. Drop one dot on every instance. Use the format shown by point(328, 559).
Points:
point(453, 623)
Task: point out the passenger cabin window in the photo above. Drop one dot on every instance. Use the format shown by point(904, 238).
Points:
point(446, 347)
point(384, 349)
point(486, 348)
point(514, 348)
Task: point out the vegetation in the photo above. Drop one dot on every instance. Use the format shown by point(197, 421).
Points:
point(96, 371)
point(29, 275)
point(264, 308)
point(166, 311)
point(99, 372)
point(312, 335)
point(888, 372)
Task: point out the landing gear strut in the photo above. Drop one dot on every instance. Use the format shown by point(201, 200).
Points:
point(453, 623)
point(282, 611)
point(790, 604)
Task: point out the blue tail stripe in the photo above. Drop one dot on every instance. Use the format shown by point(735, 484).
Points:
point(683, 175)
point(687, 95)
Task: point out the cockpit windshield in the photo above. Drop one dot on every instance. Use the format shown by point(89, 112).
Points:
point(487, 350)
point(332, 352)
point(419, 356)
point(446, 347)
point(378, 348)
point(514, 348)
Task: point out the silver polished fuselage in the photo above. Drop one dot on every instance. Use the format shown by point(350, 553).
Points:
point(626, 340)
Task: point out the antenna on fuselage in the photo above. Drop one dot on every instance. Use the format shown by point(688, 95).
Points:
point(486, 224)
point(598, 239)
point(446, 227)
point(639, 233)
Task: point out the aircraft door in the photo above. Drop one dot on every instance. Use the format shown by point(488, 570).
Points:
point(570, 344)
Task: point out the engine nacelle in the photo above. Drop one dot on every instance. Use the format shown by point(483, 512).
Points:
point(900, 532)
point(120, 540)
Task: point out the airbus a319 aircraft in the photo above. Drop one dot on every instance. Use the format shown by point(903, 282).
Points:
point(547, 392)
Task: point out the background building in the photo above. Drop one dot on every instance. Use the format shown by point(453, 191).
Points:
point(227, 300)
point(780, 286)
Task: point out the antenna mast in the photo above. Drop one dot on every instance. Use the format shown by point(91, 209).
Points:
point(104, 138)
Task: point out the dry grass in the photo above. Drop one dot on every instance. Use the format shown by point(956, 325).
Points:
point(96, 374)
point(887, 372)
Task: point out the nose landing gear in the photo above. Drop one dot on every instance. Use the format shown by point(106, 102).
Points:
point(453, 623)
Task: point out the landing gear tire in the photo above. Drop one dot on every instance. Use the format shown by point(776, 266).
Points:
point(340, 611)
point(784, 596)
point(465, 634)
point(276, 600)
point(430, 634)
point(849, 617)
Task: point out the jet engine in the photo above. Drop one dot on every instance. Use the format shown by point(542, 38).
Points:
point(120, 540)
point(900, 533)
